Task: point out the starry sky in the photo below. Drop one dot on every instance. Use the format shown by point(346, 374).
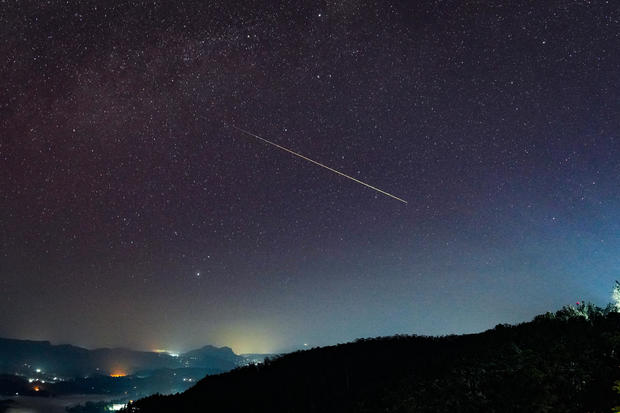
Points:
point(133, 213)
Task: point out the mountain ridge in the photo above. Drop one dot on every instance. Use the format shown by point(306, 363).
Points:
point(24, 357)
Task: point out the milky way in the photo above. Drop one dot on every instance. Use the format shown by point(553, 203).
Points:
point(131, 214)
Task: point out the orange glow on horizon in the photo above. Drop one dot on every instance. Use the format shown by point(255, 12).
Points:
point(118, 373)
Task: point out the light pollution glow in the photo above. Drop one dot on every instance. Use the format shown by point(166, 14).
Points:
point(248, 339)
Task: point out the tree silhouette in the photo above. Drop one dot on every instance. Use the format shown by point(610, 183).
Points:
point(564, 361)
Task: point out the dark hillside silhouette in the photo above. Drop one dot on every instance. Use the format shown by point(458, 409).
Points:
point(567, 361)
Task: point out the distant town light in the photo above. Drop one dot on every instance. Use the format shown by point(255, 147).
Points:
point(164, 351)
point(118, 373)
point(38, 370)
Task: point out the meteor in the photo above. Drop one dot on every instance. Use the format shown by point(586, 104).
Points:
point(319, 164)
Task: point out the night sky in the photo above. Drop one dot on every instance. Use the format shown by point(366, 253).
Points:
point(133, 213)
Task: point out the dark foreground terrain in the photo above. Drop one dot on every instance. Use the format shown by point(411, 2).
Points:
point(562, 362)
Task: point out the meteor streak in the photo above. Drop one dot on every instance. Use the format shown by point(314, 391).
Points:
point(319, 164)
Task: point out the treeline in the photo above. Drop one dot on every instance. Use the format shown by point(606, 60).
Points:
point(565, 361)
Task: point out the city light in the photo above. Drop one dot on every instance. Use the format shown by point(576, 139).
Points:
point(118, 373)
point(164, 351)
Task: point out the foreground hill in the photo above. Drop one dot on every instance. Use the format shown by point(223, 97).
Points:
point(566, 362)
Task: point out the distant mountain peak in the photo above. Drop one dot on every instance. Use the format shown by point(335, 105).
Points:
point(67, 360)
